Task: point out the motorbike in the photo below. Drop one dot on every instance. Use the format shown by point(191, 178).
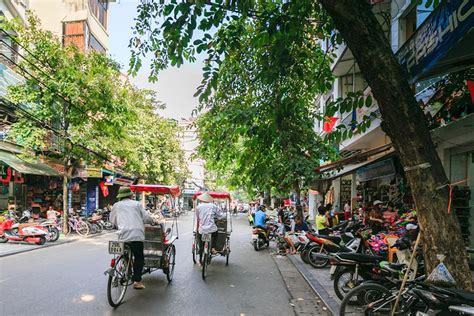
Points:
point(9, 231)
point(50, 224)
point(260, 238)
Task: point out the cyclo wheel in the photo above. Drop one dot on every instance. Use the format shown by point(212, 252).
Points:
point(171, 256)
point(227, 254)
point(205, 261)
point(118, 283)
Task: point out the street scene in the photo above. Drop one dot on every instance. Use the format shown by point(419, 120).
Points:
point(297, 157)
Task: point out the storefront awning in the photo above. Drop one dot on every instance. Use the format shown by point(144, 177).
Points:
point(25, 167)
point(354, 159)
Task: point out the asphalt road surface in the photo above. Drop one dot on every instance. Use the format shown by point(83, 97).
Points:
point(69, 280)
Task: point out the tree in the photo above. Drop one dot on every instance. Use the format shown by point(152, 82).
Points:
point(172, 43)
point(77, 106)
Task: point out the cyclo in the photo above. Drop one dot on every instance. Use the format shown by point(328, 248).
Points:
point(224, 229)
point(158, 247)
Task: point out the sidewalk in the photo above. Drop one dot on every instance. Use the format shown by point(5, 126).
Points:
point(12, 248)
point(304, 300)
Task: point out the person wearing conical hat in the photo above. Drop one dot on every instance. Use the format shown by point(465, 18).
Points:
point(129, 217)
point(206, 212)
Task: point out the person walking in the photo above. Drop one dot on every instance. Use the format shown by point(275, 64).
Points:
point(129, 217)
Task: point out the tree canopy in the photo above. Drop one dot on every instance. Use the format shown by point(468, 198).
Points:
point(79, 104)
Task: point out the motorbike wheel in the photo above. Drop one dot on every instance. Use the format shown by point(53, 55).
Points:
point(99, 228)
point(171, 263)
point(369, 296)
point(315, 259)
point(53, 233)
point(304, 256)
point(3, 239)
point(344, 283)
point(108, 225)
point(256, 245)
point(42, 240)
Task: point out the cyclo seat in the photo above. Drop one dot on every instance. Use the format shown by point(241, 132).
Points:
point(358, 257)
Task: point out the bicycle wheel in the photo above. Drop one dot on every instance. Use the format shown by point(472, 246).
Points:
point(205, 262)
point(344, 283)
point(371, 298)
point(118, 283)
point(171, 258)
point(195, 250)
point(82, 229)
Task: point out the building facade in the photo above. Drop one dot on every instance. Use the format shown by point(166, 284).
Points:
point(433, 46)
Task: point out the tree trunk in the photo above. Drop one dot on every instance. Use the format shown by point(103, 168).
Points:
point(405, 124)
point(65, 194)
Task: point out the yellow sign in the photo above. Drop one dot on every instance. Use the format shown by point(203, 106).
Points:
point(93, 173)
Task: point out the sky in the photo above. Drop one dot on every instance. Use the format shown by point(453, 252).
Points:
point(175, 86)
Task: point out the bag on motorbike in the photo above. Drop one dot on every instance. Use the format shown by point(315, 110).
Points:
point(441, 277)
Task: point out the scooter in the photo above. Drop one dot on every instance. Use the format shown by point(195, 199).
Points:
point(51, 225)
point(260, 238)
point(22, 232)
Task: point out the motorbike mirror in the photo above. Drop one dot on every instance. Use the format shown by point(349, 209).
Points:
point(168, 231)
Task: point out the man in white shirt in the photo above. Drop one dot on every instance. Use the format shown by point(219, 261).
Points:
point(206, 211)
point(129, 217)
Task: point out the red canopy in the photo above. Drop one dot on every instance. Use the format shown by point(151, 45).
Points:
point(214, 195)
point(156, 188)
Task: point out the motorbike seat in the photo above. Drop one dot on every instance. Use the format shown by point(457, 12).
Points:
point(393, 267)
point(358, 257)
point(468, 296)
point(334, 239)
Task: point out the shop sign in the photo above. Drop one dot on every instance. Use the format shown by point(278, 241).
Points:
point(381, 169)
point(123, 181)
point(93, 173)
point(440, 33)
point(109, 180)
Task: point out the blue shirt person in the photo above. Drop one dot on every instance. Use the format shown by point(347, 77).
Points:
point(260, 218)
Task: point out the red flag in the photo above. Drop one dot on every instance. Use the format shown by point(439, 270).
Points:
point(329, 124)
point(104, 189)
point(470, 86)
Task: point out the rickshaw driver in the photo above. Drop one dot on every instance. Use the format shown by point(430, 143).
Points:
point(206, 212)
point(129, 217)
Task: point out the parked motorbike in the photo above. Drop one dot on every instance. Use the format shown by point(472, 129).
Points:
point(50, 224)
point(22, 232)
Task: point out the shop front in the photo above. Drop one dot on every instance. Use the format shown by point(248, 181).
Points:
point(27, 185)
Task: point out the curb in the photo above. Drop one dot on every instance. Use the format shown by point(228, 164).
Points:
point(330, 303)
point(49, 245)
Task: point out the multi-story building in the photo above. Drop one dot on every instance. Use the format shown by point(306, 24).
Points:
point(430, 44)
point(189, 143)
point(81, 22)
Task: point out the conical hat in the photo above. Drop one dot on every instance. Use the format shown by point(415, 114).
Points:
point(205, 197)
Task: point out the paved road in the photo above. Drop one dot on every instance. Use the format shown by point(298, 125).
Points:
point(68, 280)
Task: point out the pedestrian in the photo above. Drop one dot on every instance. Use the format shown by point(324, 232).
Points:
point(375, 219)
point(129, 217)
point(322, 222)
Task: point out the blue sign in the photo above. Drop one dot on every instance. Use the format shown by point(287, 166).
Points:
point(445, 28)
point(91, 203)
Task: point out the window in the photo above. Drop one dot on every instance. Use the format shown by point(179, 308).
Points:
point(99, 10)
